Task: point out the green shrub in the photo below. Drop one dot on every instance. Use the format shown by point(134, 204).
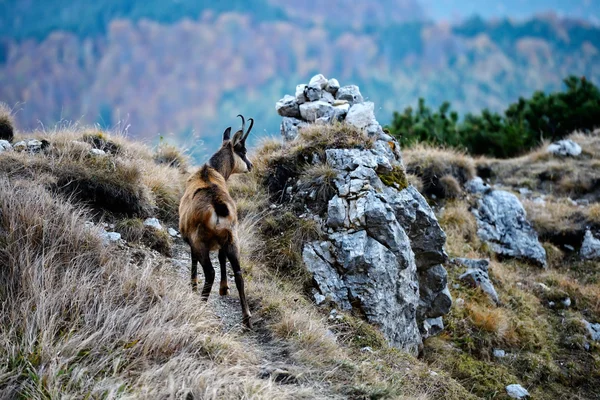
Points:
point(522, 126)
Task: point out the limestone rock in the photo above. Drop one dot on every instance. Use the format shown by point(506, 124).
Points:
point(564, 148)
point(477, 276)
point(502, 223)
point(350, 93)
point(31, 145)
point(416, 217)
point(288, 107)
point(516, 391)
point(317, 109)
point(477, 185)
point(5, 146)
point(318, 81)
point(153, 222)
point(301, 94)
point(332, 86)
point(361, 115)
point(590, 248)
point(290, 128)
point(593, 330)
point(432, 327)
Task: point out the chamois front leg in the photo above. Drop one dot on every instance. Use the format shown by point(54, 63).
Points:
point(223, 287)
point(233, 256)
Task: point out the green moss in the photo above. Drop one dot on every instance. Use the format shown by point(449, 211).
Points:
point(395, 178)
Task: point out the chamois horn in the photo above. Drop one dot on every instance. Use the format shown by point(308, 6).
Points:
point(249, 129)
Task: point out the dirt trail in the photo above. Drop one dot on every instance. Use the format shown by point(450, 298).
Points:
point(274, 354)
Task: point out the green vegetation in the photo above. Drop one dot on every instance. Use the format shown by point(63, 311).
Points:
point(521, 127)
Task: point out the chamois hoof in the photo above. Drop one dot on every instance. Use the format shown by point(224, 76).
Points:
point(224, 291)
point(247, 323)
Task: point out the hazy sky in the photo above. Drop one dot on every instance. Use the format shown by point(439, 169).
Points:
point(458, 9)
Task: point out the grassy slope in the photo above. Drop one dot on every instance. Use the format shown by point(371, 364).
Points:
point(546, 346)
point(83, 319)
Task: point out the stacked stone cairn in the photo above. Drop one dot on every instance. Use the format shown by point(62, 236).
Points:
point(384, 249)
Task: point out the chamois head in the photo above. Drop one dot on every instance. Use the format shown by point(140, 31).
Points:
point(237, 146)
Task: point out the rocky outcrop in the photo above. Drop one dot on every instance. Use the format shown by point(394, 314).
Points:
point(564, 148)
point(590, 248)
point(502, 223)
point(383, 249)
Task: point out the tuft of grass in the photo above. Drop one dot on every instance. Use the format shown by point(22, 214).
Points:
point(7, 123)
point(432, 164)
point(320, 177)
point(170, 156)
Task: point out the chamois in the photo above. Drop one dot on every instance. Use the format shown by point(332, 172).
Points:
point(208, 215)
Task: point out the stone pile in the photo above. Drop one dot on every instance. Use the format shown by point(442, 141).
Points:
point(323, 101)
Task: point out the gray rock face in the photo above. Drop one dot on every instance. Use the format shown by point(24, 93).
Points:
point(477, 276)
point(358, 271)
point(290, 128)
point(565, 148)
point(435, 299)
point(516, 391)
point(417, 218)
point(361, 115)
point(288, 107)
point(316, 109)
point(350, 93)
point(328, 97)
point(5, 146)
point(502, 223)
point(590, 248)
point(593, 330)
point(313, 93)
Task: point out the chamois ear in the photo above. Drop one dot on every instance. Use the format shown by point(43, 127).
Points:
point(227, 134)
point(237, 137)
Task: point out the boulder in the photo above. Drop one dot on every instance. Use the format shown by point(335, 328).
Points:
point(97, 152)
point(332, 86)
point(328, 97)
point(590, 248)
point(516, 391)
point(349, 93)
point(564, 148)
point(361, 115)
point(435, 299)
point(290, 128)
point(337, 213)
point(502, 224)
point(5, 146)
point(317, 109)
point(288, 107)
point(301, 94)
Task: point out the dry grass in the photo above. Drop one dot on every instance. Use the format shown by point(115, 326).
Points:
point(435, 166)
point(81, 319)
point(541, 171)
point(171, 156)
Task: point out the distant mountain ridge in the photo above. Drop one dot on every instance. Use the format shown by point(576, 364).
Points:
point(189, 77)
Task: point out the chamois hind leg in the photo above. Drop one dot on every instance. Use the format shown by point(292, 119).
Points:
point(209, 272)
point(233, 256)
point(194, 273)
point(223, 287)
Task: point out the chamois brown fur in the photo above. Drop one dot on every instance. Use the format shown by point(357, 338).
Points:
point(208, 215)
